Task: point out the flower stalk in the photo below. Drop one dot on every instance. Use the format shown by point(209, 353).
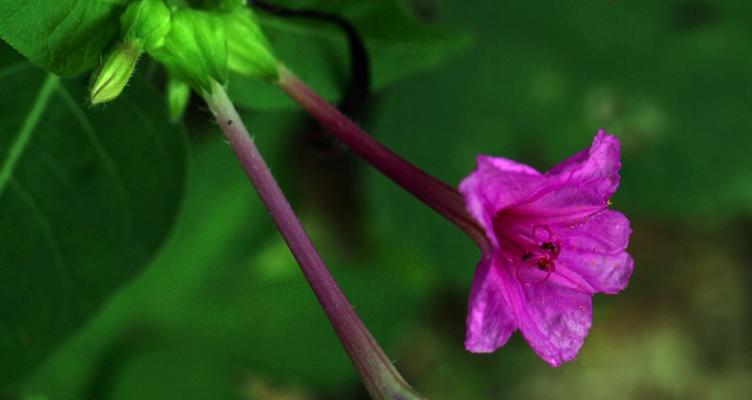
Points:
point(441, 197)
point(381, 378)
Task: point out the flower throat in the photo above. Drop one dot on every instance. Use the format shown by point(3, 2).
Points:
point(532, 250)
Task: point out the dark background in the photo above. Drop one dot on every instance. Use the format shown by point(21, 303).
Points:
point(224, 313)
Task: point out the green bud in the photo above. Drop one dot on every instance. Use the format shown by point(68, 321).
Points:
point(178, 94)
point(224, 5)
point(145, 24)
point(195, 50)
point(248, 51)
point(114, 73)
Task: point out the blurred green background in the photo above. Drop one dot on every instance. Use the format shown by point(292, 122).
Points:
point(224, 313)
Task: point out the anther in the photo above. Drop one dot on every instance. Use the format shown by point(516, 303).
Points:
point(550, 248)
point(544, 264)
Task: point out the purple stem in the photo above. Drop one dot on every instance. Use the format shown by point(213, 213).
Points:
point(381, 379)
point(443, 198)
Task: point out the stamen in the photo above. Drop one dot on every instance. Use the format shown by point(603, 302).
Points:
point(551, 248)
point(532, 255)
point(534, 271)
point(545, 263)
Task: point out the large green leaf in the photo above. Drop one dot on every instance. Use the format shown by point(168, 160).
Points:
point(62, 36)
point(399, 44)
point(226, 285)
point(86, 196)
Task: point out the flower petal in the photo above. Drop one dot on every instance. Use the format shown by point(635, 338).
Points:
point(554, 320)
point(593, 252)
point(490, 321)
point(497, 183)
point(580, 184)
point(601, 158)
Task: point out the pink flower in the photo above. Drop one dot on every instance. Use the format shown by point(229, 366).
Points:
point(554, 243)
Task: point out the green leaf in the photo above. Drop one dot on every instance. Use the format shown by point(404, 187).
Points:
point(225, 284)
point(86, 197)
point(398, 43)
point(62, 36)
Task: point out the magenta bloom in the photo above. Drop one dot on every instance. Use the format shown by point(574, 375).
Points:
point(554, 244)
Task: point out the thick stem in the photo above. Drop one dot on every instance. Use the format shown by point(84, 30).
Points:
point(442, 198)
point(381, 379)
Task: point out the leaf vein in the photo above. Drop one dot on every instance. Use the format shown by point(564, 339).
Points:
point(54, 243)
point(14, 69)
point(27, 128)
point(148, 123)
point(107, 160)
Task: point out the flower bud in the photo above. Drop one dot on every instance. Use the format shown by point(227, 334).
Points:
point(248, 51)
point(178, 94)
point(195, 50)
point(145, 24)
point(224, 5)
point(114, 73)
